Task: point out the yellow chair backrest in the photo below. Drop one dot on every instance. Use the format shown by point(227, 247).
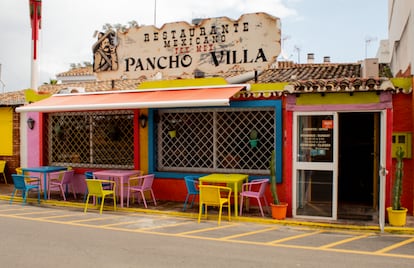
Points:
point(19, 171)
point(212, 195)
point(95, 187)
point(2, 165)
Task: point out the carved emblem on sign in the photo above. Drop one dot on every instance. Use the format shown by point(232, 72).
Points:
point(104, 52)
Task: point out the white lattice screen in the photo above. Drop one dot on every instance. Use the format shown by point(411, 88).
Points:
point(91, 139)
point(215, 140)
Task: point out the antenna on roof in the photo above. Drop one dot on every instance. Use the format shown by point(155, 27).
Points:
point(297, 49)
point(368, 40)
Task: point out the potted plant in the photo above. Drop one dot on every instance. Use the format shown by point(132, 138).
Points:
point(172, 129)
point(397, 215)
point(279, 209)
point(253, 138)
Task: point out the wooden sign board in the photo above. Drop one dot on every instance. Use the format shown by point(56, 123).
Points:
point(212, 46)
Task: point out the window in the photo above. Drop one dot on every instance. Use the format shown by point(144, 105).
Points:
point(91, 139)
point(215, 140)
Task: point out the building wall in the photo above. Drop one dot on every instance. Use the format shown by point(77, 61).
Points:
point(401, 34)
point(13, 160)
point(402, 122)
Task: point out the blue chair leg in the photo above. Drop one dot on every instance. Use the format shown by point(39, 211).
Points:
point(38, 196)
point(12, 196)
point(192, 202)
point(25, 196)
point(185, 202)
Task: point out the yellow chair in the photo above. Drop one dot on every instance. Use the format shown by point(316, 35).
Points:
point(2, 168)
point(19, 171)
point(96, 190)
point(27, 178)
point(212, 195)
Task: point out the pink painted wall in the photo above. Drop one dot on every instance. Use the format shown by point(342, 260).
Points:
point(33, 141)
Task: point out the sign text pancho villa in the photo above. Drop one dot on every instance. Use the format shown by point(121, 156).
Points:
point(212, 46)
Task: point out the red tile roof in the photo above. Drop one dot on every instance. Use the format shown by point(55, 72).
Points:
point(303, 78)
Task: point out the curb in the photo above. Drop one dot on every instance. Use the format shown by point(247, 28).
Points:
point(286, 222)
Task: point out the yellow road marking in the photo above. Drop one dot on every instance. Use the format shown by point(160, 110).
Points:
point(167, 225)
point(396, 245)
point(34, 213)
point(95, 219)
point(249, 233)
point(11, 209)
point(343, 241)
point(218, 239)
point(207, 229)
point(294, 237)
point(122, 223)
point(59, 216)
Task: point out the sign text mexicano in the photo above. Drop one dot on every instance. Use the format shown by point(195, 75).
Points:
point(214, 45)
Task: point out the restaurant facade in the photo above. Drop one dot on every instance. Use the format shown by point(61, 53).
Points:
point(332, 136)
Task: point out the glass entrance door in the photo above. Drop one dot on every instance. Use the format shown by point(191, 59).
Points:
point(314, 165)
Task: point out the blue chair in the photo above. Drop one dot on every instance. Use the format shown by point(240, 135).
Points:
point(21, 185)
point(190, 183)
point(105, 185)
point(88, 176)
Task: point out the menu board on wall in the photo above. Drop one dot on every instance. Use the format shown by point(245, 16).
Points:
point(315, 139)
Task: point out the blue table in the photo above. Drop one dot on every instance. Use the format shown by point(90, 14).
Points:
point(44, 170)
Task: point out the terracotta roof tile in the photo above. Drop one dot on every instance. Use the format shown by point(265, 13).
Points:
point(294, 72)
point(81, 71)
point(322, 77)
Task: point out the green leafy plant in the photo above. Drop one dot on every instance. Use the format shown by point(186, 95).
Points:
point(253, 134)
point(273, 182)
point(398, 180)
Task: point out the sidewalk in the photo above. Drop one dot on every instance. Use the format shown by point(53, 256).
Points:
point(253, 215)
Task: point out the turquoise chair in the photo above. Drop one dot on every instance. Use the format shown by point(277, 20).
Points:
point(192, 190)
point(21, 185)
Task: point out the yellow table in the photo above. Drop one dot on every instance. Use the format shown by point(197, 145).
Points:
point(235, 179)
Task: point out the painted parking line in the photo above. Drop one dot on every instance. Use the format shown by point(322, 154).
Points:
point(249, 233)
point(34, 213)
point(168, 225)
point(206, 229)
point(94, 219)
point(59, 216)
point(122, 223)
point(245, 234)
point(396, 245)
point(293, 237)
point(344, 241)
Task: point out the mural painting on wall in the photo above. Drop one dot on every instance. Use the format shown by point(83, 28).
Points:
point(212, 46)
point(104, 52)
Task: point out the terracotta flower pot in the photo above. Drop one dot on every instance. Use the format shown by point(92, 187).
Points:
point(279, 211)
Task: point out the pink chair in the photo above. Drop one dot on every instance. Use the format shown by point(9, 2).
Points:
point(141, 184)
point(254, 189)
point(58, 179)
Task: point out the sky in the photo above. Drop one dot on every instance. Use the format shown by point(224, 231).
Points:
point(345, 30)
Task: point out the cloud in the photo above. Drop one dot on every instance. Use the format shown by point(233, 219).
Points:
point(68, 27)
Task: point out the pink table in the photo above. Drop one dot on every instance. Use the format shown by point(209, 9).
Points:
point(119, 176)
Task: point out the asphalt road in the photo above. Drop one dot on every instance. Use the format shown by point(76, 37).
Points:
point(34, 236)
